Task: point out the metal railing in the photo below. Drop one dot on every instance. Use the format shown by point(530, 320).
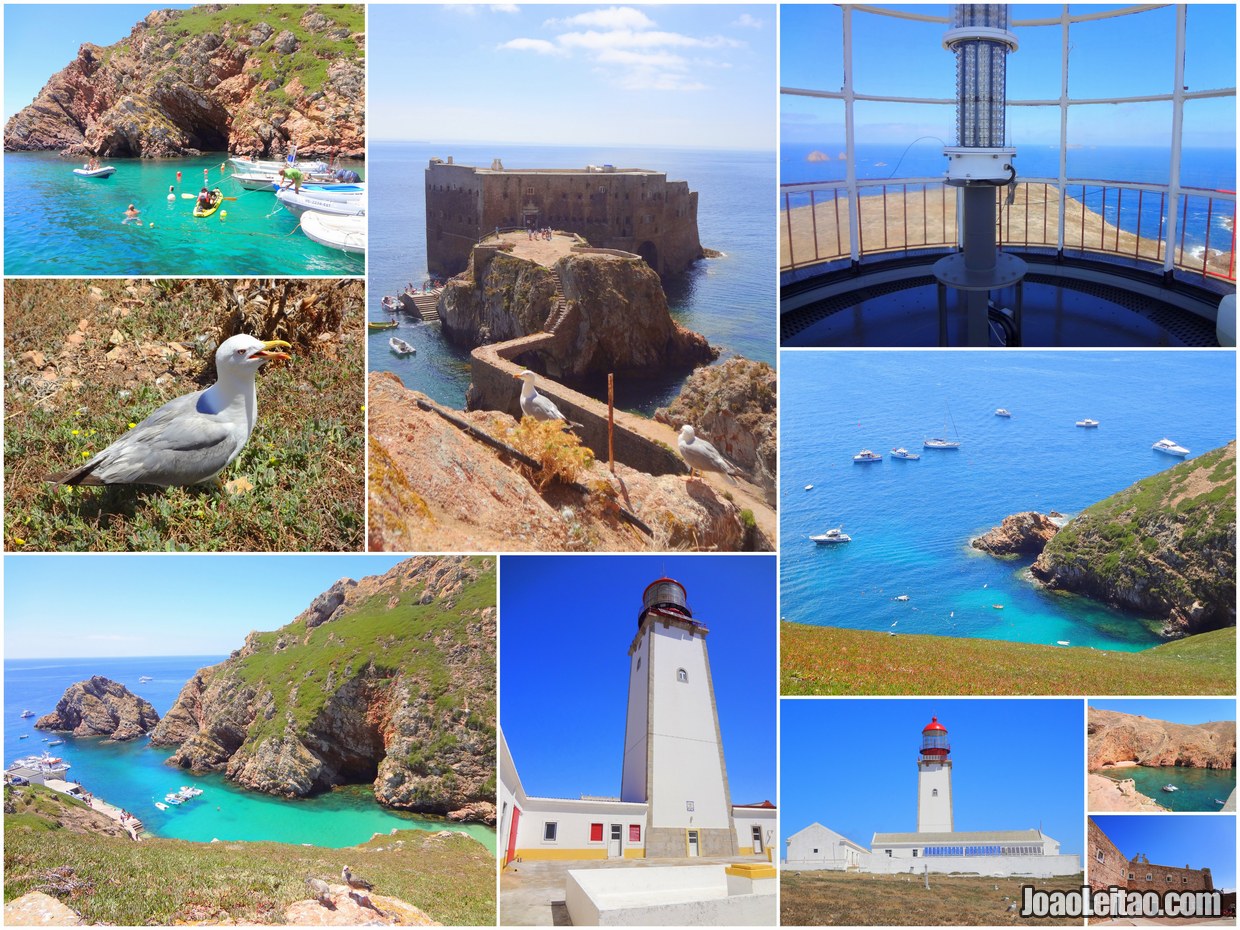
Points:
point(1106, 217)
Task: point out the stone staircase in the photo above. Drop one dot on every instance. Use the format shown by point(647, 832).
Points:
point(559, 309)
point(424, 305)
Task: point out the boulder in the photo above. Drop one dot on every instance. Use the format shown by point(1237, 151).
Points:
point(1020, 534)
point(100, 707)
point(36, 909)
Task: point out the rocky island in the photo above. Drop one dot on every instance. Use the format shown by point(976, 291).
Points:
point(251, 80)
point(1020, 534)
point(100, 707)
point(388, 681)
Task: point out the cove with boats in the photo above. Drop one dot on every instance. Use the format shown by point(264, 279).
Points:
point(60, 223)
point(1197, 789)
point(911, 522)
point(133, 776)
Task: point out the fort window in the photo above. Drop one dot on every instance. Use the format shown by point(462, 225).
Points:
point(1149, 877)
point(549, 829)
point(602, 189)
point(1100, 856)
point(1168, 879)
point(529, 190)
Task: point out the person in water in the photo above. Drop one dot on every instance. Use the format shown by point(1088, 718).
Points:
point(172, 192)
point(131, 215)
point(205, 200)
point(291, 176)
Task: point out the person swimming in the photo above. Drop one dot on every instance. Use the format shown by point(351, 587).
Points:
point(131, 216)
point(172, 192)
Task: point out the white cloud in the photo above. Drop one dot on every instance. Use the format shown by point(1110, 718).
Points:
point(541, 46)
point(505, 8)
point(616, 17)
point(627, 38)
point(745, 21)
point(619, 56)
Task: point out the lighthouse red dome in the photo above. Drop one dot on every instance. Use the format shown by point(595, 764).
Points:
point(934, 725)
point(934, 744)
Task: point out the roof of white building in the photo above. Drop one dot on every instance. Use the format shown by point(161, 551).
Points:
point(976, 836)
point(819, 830)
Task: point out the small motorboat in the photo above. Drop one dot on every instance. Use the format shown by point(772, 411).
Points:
point(997, 606)
point(836, 535)
point(1169, 447)
point(1062, 642)
point(1087, 423)
point(298, 203)
point(145, 678)
point(24, 736)
point(941, 444)
point(188, 791)
point(1003, 412)
point(56, 742)
point(809, 487)
point(900, 597)
point(390, 304)
point(105, 172)
point(400, 347)
point(903, 453)
point(374, 325)
point(346, 233)
point(1170, 788)
point(865, 455)
point(161, 805)
point(27, 713)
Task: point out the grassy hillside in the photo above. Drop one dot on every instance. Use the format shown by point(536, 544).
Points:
point(409, 639)
point(829, 660)
point(111, 880)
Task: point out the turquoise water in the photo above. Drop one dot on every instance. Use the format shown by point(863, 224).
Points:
point(57, 223)
point(133, 775)
point(911, 522)
point(1199, 789)
point(730, 300)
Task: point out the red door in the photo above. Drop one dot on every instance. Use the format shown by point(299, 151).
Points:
point(512, 835)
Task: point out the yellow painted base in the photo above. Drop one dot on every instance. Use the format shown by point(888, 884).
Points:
point(560, 854)
point(754, 870)
point(635, 853)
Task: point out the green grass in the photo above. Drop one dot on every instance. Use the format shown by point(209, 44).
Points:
point(408, 640)
point(305, 459)
point(162, 882)
point(830, 660)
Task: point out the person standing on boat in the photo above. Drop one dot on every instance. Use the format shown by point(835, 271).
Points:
point(290, 175)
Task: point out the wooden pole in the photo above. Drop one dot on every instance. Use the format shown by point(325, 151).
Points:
point(611, 421)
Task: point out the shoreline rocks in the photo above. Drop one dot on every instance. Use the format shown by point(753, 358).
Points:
point(1115, 739)
point(100, 707)
point(1020, 534)
point(1109, 794)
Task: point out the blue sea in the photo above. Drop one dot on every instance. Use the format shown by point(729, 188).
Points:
point(730, 300)
point(1196, 789)
point(911, 522)
point(133, 775)
point(1209, 169)
point(57, 223)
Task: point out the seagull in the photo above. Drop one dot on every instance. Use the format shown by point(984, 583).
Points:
point(320, 889)
point(535, 405)
point(191, 439)
point(355, 882)
point(702, 456)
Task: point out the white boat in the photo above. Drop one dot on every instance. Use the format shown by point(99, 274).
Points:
point(187, 791)
point(865, 455)
point(900, 597)
point(145, 678)
point(809, 487)
point(104, 172)
point(312, 200)
point(56, 742)
point(1170, 788)
point(27, 713)
point(1169, 447)
point(347, 233)
point(1062, 642)
point(1087, 423)
point(903, 453)
point(400, 347)
point(161, 805)
point(830, 537)
point(336, 190)
point(941, 444)
point(1003, 412)
point(24, 736)
point(252, 165)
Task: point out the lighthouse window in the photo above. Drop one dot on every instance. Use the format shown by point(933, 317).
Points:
point(689, 806)
point(934, 792)
point(682, 675)
point(549, 829)
point(639, 663)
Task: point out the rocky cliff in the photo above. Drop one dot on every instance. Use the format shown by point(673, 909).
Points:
point(1110, 794)
point(388, 680)
point(1165, 547)
point(1130, 738)
point(733, 404)
point(1020, 534)
point(615, 318)
point(251, 79)
point(100, 707)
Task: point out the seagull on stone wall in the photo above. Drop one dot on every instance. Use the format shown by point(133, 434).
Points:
point(700, 455)
point(535, 405)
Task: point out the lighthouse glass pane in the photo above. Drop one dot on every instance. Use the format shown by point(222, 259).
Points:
point(1208, 159)
point(1129, 143)
point(811, 38)
point(1210, 47)
point(923, 68)
point(1122, 56)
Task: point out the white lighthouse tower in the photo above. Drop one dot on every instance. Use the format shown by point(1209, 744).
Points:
point(934, 780)
point(673, 753)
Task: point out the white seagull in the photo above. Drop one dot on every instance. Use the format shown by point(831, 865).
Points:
point(191, 439)
point(535, 405)
point(702, 456)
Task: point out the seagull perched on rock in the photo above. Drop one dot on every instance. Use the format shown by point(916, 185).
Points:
point(355, 882)
point(535, 405)
point(700, 455)
point(320, 889)
point(191, 439)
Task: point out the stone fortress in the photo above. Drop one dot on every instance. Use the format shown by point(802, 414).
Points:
point(629, 209)
point(1108, 867)
point(936, 846)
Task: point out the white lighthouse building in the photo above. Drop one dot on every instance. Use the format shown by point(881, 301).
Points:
point(934, 780)
point(673, 752)
point(674, 800)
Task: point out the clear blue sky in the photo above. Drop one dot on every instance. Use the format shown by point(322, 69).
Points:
point(566, 623)
point(1173, 710)
point(1123, 56)
point(60, 606)
point(1196, 840)
point(851, 765)
point(40, 39)
point(682, 76)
